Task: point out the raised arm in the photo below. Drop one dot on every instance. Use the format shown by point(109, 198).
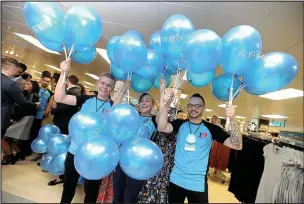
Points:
point(162, 123)
point(60, 95)
point(122, 92)
point(162, 91)
point(235, 141)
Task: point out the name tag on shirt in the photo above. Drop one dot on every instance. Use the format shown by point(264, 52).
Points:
point(190, 147)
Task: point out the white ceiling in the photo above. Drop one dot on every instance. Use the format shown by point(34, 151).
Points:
point(279, 23)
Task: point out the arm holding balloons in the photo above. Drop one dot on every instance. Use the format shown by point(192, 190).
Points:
point(122, 92)
point(60, 95)
point(162, 95)
point(162, 118)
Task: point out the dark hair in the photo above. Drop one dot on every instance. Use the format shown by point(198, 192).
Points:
point(25, 76)
point(73, 79)
point(214, 116)
point(56, 77)
point(46, 74)
point(23, 67)
point(95, 92)
point(6, 61)
point(35, 87)
point(82, 89)
point(143, 95)
point(197, 95)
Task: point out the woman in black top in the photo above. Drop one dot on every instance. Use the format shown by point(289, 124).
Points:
point(31, 89)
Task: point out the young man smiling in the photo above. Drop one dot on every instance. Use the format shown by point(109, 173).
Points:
point(194, 140)
point(100, 104)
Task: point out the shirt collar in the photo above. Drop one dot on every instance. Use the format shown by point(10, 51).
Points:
point(71, 87)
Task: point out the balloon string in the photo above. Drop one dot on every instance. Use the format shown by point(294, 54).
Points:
point(230, 102)
point(65, 51)
point(164, 71)
point(71, 51)
point(183, 80)
point(238, 90)
point(129, 77)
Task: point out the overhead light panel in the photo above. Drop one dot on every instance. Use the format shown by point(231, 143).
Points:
point(240, 117)
point(221, 117)
point(88, 83)
point(274, 116)
point(93, 76)
point(224, 105)
point(183, 96)
point(53, 67)
point(36, 71)
point(86, 86)
point(283, 94)
point(208, 110)
point(103, 54)
point(35, 42)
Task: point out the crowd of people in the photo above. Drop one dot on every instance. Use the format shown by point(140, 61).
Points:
point(185, 144)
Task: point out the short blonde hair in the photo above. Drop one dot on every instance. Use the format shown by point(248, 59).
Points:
point(6, 62)
point(108, 75)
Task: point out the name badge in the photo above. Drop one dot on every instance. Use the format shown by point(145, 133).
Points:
point(190, 147)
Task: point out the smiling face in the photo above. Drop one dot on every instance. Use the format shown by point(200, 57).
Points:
point(195, 107)
point(105, 85)
point(146, 105)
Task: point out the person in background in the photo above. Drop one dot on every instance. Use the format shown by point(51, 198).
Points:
point(194, 140)
point(44, 96)
point(63, 113)
point(82, 89)
point(27, 77)
point(126, 189)
point(8, 144)
point(93, 93)
point(100, 104)
point(18, 77)
point(214, 121)
point(11, 93)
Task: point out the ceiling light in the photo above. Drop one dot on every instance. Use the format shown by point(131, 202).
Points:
point(93, 76)
point(183, 96)
point(62, 3)
point(224, 105)
point(241, 117)
point(36, 71)
point(104, 54)
point(283, 94)
point(6, 52)
point(208, 110)
point(35, 42)
point(243, 122)
point(274, 116)
point(221, 117)
point(86, 86)
point(88, 83)
point(11, 52)
point(53, 67)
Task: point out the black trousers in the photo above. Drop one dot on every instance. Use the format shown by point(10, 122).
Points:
point(71, 176)
point(126, 189)
point(178, 194)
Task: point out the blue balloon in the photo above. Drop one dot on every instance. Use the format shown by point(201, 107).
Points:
point(202, 50)
point(54, 46)
point(110, 49)
point(155, 63)
point(46, 161)
point(169, 70)
point(136, 33)
point(85, 57)
point(241, 46)
point(81, 180)
point(45, 19)
point(155, 42)
point(130, 52)
point(56, 166)
point(96, 158)
point(122, 122)
point(82, 26)
point(272, 72)
point(167, 78)
point(85, 125)
point(65, 137)
point(200, 80)
point(177, 64)
point(39, 146)
point(77, 48)
point(221, 84)
point(57, 145)
point(141, 159)
point(118, 73)
point(143, 131)
point(173, 33)
point(141, 85)
point(48, 131)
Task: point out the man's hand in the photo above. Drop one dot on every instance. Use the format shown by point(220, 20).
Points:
point(65, 66)
point(38, 104)
point(169, 96)
point(126, 86)
point(230, 111)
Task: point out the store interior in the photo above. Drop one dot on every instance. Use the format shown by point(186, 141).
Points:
point(265, 117)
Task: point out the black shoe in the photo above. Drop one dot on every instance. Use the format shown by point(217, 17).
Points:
point(55, 182)
point(20, 156)
point(11, 159)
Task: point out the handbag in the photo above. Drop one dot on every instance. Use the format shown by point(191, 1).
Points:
point(20, 129)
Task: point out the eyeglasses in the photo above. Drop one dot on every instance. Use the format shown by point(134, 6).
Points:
point(196, 106)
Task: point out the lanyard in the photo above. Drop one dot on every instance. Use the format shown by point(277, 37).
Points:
point(97, 109)
point(195, 130)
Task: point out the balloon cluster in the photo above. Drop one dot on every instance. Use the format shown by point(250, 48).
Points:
point(118, 136)
point(178, 46)
point(54, 146)
point(76, 31)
